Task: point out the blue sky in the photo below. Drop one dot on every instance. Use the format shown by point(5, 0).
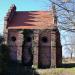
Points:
point(22, 5)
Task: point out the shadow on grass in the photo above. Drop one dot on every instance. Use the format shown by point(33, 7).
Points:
point(19, 69)
point(69, 65)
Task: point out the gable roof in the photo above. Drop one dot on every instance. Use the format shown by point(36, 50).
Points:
point(28, 19)
point(32, 20)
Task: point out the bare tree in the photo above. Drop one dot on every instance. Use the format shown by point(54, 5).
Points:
point(65, 12)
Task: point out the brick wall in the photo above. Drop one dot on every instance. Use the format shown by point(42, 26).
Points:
point(15, 46)
point(47, 54)
point(44, 48)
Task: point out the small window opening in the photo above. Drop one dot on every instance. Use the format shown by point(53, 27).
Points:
point(44, 39)
point(13, 38)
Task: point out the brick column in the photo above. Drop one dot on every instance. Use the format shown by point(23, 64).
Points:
point(5, 32)
point(53, 48)
point(35, 48)
point(19, 44)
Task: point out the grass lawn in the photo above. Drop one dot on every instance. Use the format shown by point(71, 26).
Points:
point(57, 71)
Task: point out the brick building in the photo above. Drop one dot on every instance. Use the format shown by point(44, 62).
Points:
point(33, 37)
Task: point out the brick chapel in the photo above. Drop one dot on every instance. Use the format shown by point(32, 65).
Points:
point(33, 37)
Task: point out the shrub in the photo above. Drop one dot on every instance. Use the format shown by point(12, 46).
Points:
point(4, 58)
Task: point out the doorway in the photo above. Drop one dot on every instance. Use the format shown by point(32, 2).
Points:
point(27, 53)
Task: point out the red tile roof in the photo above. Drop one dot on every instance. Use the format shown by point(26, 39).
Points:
point(32, 20)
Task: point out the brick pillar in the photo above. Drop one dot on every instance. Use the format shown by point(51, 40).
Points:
point(53, 48)
point(19, 48)
point(5, 32)
point(35, 48)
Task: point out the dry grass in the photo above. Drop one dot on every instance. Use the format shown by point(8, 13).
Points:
point(68, 60)
point(57, 71)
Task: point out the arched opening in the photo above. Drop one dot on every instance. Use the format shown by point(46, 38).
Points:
point(27, 55)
